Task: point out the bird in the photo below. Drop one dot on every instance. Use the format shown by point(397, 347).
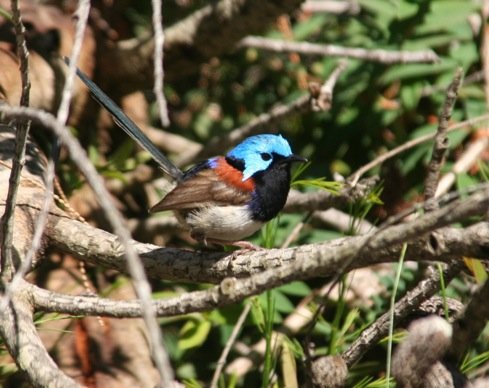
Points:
point(224, 199)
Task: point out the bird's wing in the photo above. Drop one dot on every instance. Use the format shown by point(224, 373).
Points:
point(205, 187)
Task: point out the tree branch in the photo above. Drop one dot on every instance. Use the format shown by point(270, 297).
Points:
point(440, 145)
point(411, 144)
point(376, 55)
point(296, 263)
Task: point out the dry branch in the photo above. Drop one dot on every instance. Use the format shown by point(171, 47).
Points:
point(440, 146)
point(306, 48)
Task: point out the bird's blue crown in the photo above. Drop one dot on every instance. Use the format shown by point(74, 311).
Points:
point(257, 152)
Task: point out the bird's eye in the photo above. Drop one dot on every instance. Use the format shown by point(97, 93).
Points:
point(265, 156)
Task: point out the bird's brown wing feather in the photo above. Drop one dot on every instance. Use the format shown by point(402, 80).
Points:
point(202, 189)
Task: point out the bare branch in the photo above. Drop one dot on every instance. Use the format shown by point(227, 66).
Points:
point(440, 145)
point(229, 345)
point(350, 7)
point(297, 263)
point(6, 261)
point(306, 48)
point(158, 62)
point(411, 144)
point(102, 248)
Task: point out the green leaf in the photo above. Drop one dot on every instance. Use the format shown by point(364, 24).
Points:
point(282, 303)
point(446, 14)
point(257, 313)
point(296, 288)
point(415, 70)
point(303, 30)
point(194, 333)
point(464, 180)
point(331, 186)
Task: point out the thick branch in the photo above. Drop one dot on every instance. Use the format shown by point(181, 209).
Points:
point(102, 248)
point(301, 263)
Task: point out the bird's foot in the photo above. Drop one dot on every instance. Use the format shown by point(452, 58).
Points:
point(242, 245)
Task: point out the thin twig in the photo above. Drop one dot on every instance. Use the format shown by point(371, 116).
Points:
point(440, 146)
point(229, 345)
point(411, 144)
point(159, 73)
point(350, 7)
point(463, 164)
point(6, 261)
point(306, 48)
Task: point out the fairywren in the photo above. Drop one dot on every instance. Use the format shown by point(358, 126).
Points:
point(226, 198)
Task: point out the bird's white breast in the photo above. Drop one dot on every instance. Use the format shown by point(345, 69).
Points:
point(229, 223)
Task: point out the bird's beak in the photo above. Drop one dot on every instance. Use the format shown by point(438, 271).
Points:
point(296, 158)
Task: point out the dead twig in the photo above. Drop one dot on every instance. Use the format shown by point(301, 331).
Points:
point(440, 146)
point(159, 74)
point(306, 48)
point(353, 179)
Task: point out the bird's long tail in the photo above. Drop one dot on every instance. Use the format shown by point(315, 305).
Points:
point(128, 126)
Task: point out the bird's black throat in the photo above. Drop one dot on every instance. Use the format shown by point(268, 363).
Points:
point(271, 190)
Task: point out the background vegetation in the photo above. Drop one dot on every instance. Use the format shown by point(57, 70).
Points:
point(377, 105)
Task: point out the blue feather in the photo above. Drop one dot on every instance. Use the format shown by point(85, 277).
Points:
point(257, 152)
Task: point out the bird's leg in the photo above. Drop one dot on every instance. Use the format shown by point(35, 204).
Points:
point(242, 245)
